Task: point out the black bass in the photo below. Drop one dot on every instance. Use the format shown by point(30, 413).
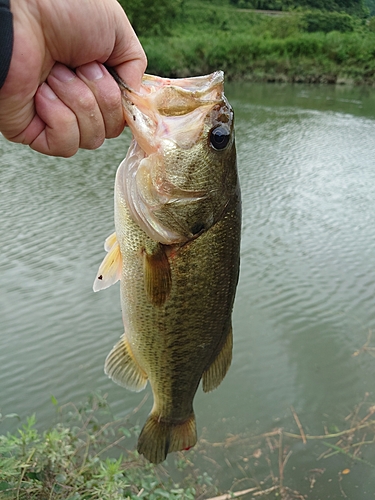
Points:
point(175, 250)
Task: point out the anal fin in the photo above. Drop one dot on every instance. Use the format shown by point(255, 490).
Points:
point(157, 274)
point(123, 369)
point(215, 373)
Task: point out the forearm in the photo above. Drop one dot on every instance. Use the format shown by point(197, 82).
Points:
point(6, 39)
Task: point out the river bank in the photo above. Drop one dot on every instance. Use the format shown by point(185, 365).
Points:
point(307, 58)
point(295, 47)
point(87, 454)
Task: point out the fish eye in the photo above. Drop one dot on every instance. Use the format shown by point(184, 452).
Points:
point(219, 137)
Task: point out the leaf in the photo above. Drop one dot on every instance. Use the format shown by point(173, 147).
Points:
point(162, 493)
point(54, 400)
point(125, 431)
point(4, 486)
point(13, 415)
point(350, 455)
point(30, 422)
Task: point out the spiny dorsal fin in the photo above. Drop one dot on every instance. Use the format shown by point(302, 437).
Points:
point(213, 376)
point(157, 275)
point(110, 269)
point(123, 369)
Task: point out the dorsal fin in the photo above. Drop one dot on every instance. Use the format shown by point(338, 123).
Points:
point(215, 373)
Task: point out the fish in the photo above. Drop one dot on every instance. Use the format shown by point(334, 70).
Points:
point(175, 250)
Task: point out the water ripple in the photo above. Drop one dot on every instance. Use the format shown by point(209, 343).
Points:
point(305, 300)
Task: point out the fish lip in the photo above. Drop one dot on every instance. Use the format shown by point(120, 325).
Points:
point(213, 79)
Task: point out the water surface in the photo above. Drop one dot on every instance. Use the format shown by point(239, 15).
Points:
point(305, 302)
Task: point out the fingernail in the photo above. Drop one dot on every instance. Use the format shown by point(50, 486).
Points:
point(91, 71)
point(47, 92)
point(62, 73)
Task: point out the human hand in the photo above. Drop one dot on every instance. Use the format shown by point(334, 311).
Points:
point(45, 104)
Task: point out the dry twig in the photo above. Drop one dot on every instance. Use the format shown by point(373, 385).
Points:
point(299, 425)
point(237, 494)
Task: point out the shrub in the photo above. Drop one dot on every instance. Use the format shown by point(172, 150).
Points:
point(308, 46)
point(151, 18)
point(281, 26)
point(371, 24)
point(328, 21)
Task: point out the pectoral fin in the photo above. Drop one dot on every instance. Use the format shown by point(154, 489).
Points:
point(213, 376)
point(110, 241)
point(110, 269)
point(123, 369)
point(157, 274)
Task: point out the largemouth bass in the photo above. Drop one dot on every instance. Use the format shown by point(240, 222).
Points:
point(175, 250)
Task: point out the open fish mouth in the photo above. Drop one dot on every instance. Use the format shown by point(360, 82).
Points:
point(166, 115)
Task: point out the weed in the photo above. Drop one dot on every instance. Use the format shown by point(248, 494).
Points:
point(84, 457)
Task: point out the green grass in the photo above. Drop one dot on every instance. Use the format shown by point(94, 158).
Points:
point(84, 456)
point(301, 57)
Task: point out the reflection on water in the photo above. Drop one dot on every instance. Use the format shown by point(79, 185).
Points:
point(305, 300)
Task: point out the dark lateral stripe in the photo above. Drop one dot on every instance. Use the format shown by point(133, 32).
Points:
point(6, 39)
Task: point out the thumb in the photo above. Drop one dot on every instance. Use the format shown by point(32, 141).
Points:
point(128, 56)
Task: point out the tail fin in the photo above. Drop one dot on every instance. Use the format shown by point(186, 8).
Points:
point(158, 438)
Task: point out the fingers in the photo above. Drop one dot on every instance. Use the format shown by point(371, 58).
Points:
point(74, 110)
point(78, 97)
point(54, 129)
point(107, 95)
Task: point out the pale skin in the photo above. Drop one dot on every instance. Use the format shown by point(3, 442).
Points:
point(58, 97)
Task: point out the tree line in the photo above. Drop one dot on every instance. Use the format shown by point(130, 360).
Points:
point(353, 7)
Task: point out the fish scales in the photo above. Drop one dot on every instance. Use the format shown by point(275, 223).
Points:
point(179, 264)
